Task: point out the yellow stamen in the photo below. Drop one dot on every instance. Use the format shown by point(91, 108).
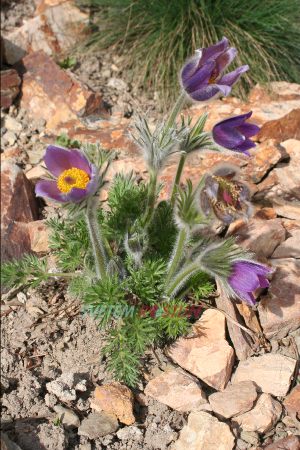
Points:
point(72, 178)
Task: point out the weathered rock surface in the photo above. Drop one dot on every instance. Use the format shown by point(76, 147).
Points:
point(290, 248)
point(57, 26)
point(18, 207)
point(262, 417)
point(207, 355)
point(261, 236)
point(177, 389)
point(115, 398)
point(10, 87)
point(287, 127)
point(235, 399)
point(287, 443)
point(283, 183)
point(271, 372)
point(279, 310)
point(58, 103)
point(67, 416)
point(65, 386)
point(39, 236)
point(204, 432)
point(263, 158)
point(7, 444)
point(292, 402)
point(98, 424)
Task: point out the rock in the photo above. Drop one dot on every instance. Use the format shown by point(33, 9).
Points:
point(7, 444)
point(291, 211)
point(9, 138)
point(264, 157)
point(287, 127)
point(262, 417)
point(12, 124)
point(177, 389)
point(36, 173)
point(117, 83)
point(290, 248)
point(208, 355)
point(57, 27)
point(10, 87)
point(292, 402)
point(67, 416)
point(280, 90)
point(271, 372)
point(65, 387)
point(251, 437)
point(130, 433)
point(287, 443)
point(282, 185)
point(204, 432)
point(235, 399)
point(261, 236)
point(279, 310)
point(58, 103)
point(114, 398)
point(98, 424)
point(39, 236)
point(158, 437)
point(18, 207)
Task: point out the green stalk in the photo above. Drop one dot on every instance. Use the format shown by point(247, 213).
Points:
point(175, 111)
point(151, 198)
point(177, 255)
point(182, 276)
point(61, 274)
point(177, 178)
point(96, 241)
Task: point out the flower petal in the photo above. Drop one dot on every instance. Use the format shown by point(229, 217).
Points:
point(76, 195)
point(79, 160)
point(214, 50)
point(230, 78)
point(49, 189)
point(244, 146)
point(57, 159)
point(225, 59)
point(189, 68)
point(247, 297)
point(200, 77)
point(235, 121)
point(227, 137)
point(92, 186)
point(244, 277)
point(248, 129)
point(264, 283)
point(205, 92)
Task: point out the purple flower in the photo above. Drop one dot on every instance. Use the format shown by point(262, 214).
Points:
point(76, 177)
point(234, 133)
point(225, 196)
point(246, 277)
point(202, 76)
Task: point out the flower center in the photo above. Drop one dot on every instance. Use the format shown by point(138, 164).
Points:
point(72, 178)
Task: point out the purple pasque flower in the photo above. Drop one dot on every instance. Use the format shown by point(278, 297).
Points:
point(76, 178)
point(202, 76)
point(246, 277)
point(234, 133)
point(225, 195)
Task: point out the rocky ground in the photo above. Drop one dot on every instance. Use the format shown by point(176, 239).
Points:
point(222, 388)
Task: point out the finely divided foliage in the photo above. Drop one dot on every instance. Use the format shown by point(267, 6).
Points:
point(138, 264)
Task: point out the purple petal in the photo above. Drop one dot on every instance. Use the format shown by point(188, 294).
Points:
point(264, 283)
point(76, 195)
point(225, 59)
point(248, 129)
point(92, 186)
point(58, 159)
point(214, 50)
point(227, 137)
point(248, 297)
point(190, 67)
point(201, 76)
point(235, 121)
point(230, 78)
point(49, 189)
point(243, 279)
point(205, 92)
point(80, 161)
point(245, 146)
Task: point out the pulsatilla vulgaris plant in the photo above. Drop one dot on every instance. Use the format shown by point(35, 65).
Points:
point(140, 265)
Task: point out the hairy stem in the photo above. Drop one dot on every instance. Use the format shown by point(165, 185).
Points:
point(151, 199)
point(96, 241)
point(181, 278)
point(176, 108)
point(177, 254)
point(177, 178)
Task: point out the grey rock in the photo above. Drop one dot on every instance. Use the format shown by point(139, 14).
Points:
point(67, 416)
point(250, 436)
point(98, 424)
